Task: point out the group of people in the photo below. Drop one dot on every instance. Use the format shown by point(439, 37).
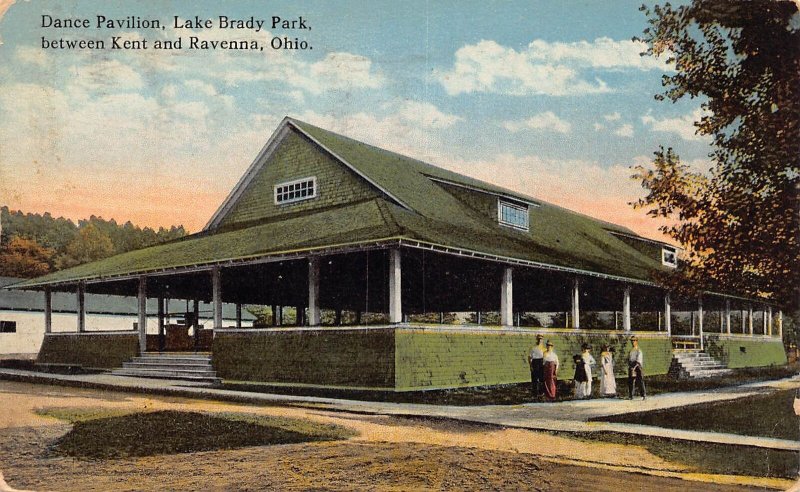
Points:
point(544, 366)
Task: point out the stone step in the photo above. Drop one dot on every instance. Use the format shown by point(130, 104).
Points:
point(707, 373)
point(170, 362)
point(166, 375)
point(168, 366)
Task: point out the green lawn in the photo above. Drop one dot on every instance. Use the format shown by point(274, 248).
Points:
point(768, 415)
point(101, 434)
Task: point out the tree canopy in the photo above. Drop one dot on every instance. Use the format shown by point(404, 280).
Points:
point(35, 244)
point(739, 224)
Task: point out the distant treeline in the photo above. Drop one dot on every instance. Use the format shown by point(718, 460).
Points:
point(35, 244)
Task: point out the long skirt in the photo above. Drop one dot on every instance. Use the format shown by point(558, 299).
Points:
point(608, 385)
point(550, 380)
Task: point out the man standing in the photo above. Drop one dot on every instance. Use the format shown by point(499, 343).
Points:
point(635, 363)
point(536, 362)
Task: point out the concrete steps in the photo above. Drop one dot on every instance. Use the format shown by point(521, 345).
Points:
point(695, 364)
point(171, 365)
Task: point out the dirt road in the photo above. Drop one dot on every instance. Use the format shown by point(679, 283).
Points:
point(388, 454)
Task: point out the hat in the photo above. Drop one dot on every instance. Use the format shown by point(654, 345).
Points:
point(549, 343)
point(586, 346)
point(634, 339)
point(539, 336)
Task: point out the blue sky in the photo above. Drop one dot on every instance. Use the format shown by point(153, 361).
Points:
point(551, 99)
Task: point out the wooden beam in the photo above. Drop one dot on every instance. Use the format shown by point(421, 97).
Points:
point(142, 308)
point(216, 295)
point(507, 298)
point(81, 300)
point(314, 314)
point(48, 310)
point(626, 308)
point(395, 286)
point(576, 301)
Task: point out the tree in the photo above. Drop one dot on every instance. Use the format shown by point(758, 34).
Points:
point(89, 244)
point(739, 223)
point(24, 258)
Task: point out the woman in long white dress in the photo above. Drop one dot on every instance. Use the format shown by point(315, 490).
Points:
point(588, 364)
point(608, 385)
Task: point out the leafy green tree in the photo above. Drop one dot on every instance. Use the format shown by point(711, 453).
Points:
point(739, 223)
point(24, 258)
point(89, 244)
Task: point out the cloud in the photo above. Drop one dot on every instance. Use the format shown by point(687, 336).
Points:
point(682, 126)
point(543, 121)
point(200, 86)
point(31, 55)
point(107, 75)
point(548, 68)
point(426, 115)
point(625, 130)
point(598, 126)
point(615, 116)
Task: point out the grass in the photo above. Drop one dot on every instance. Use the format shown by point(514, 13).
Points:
point(707, 457)
point(768, 415)
point(102, 434)
point(515, 394)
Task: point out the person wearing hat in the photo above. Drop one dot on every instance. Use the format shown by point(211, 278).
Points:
point(550, 371)
point(635, 364)
point(536, 363)
point(608, 384)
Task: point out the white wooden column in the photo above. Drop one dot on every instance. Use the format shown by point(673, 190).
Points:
point(48, 310)
point(780, 324)
point(769, 320)
point(576, 301)
point(700, 319)
point(216, 296)
point(313, 291)
point(750, 319)
point(744, 315)
point(728, 316)
point(239, 314)
point(395, 287)
point(81, 300)
point(667, 315)
point(764, 321)
point(506, 298)
point(626, 308)
point(161, 316)
point(142, 308)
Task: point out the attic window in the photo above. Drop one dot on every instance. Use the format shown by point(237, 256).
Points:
point(669, 257)
point(513, 215)
point(295, 191)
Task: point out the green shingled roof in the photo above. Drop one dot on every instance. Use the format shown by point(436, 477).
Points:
point(413, 206)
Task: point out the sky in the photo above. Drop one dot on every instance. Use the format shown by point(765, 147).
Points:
point(551, 99)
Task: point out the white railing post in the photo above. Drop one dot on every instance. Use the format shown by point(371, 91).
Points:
point(667, 314)
point(626, 309)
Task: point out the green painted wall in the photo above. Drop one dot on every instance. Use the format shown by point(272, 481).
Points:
point(434, 358)
point(741, 352)
point(297, 158)
point(356, 358)
point(89, 350)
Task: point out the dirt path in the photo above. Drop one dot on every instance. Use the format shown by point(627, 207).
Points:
point(389, 453)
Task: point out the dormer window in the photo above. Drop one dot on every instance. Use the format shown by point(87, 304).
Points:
point(513, 215)
point(669, 257)
point(295, 191)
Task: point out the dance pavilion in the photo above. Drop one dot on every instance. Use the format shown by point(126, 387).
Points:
point(380, 271)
